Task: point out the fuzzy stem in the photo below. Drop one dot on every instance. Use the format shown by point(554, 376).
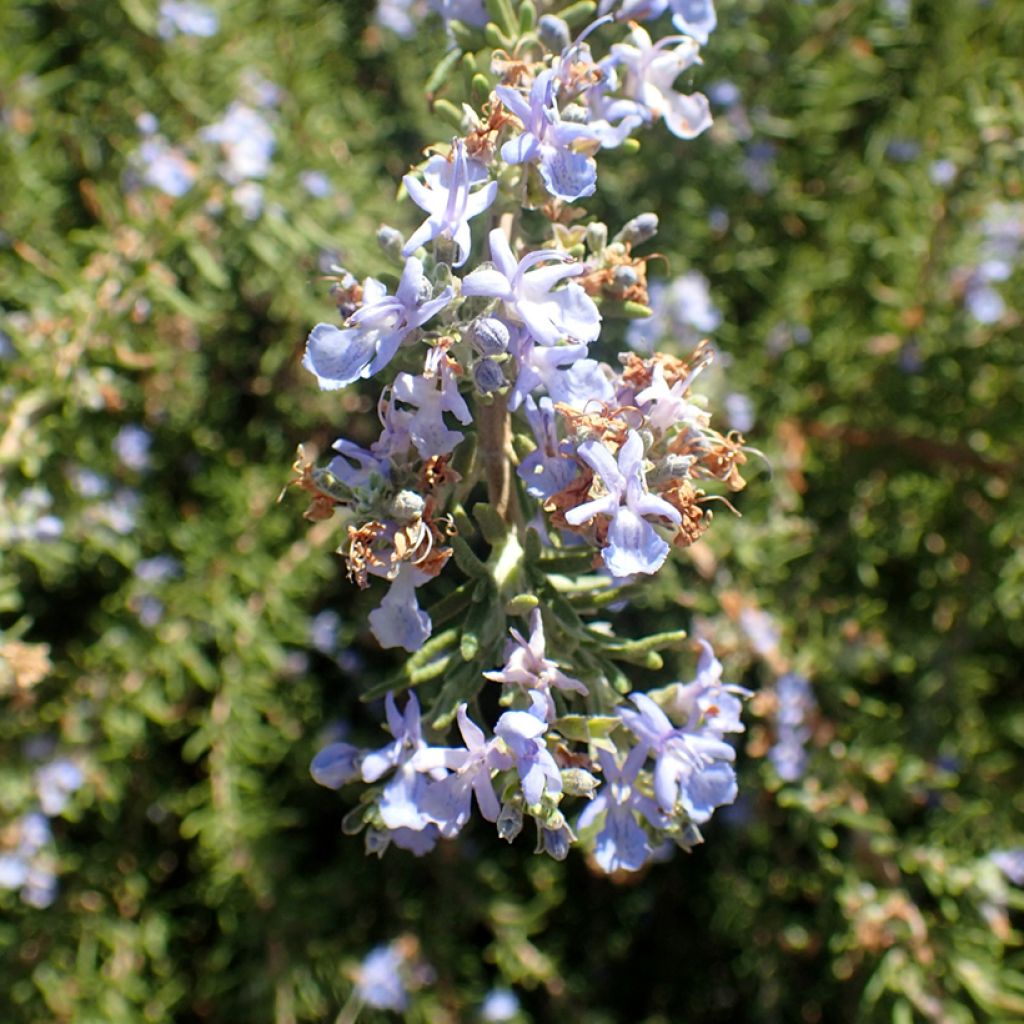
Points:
point(494, 439)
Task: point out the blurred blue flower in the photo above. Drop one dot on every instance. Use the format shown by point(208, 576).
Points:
point(448, 199)
point(246, 140)
point(316, 183)
point(633, 545)
point(55, 783)
point(323, 631)
point(158, 569)
point(132, 445)
point(1011, 863)
point(186, 18)
point(379, 981)
point(166, 167)
point(500, 1004)
point(525, 289)
point(796, 704)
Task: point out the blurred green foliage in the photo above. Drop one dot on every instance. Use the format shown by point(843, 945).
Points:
point(203, 876)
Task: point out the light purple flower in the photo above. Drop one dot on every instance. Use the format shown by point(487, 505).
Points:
point(448, 802)
point(316, 183)
point(523, 735)
point(548, 141)
point(337, 357)
point(551, 467)
point(528, 668)
point(633, 545)
point(525, 289)
point(398, 16)
point(432, 394)
point(691, 771)
point(399, 621)
point(336, 765)
point(666, 407)
point(622, 844)
point(449, 200)
point(406, 739)
point(401, 801)
point(650, 72)
point(696, 18)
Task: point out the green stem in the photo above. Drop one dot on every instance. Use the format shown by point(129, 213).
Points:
point(494, 437)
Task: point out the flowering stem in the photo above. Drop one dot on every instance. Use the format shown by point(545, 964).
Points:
point(494, 437)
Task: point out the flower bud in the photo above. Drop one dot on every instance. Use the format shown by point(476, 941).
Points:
point(575, 113)
point(510, 821)
point(640, 229)
point(554, 33)
point(671, 467)
point(487, 377)
point(578, 782)
point(556, 843)
point(407, 507)
point(391, 241)
point(597, 237)
point(425, 291)
point(689, 837)
point(623, 277)
point(488, 335)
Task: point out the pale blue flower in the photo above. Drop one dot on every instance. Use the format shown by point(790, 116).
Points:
point(248, 197)
point(692, 772)
point(449, 200)
point(407, 738)
point(651, 70)
point(399, 621)
point(666, 407)
point(739, 410)
point(158, 569)
point(431, 397)
point(528, 668)
point(696, 18)
point(548, 141)
point(525, 289)
point(622, 844)
point(323, 631)
point(551, 467)
point(398, 16)
point(523, 735)
point(448, 802)
point(375, 331)
point(337, 764)
point(632, 544)
point(796, 704)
